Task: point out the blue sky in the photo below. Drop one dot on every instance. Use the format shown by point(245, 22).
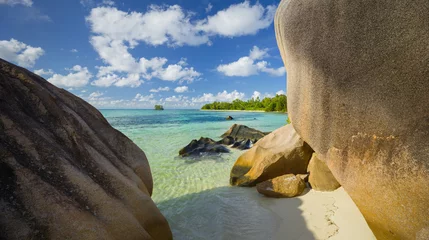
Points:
point(134, 54)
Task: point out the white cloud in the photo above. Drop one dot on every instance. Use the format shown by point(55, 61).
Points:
point(247, 66)
point(120, 62)
point(160, 89)
point(209, 8)
point(87, 3)
point(20, 53)
point(27, 3)
point(78, 77)
point(256, 95)
point(281, 92)
point(74, 50)
point(238, 20)
point(108, 2)
point(256, 53)
point(95, 95)
point(42, 72)
point(142, 98)
point(179, 98)
point(221, 96)
point(181, 89)
point(115, 32)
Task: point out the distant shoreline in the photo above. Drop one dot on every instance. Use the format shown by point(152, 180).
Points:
point(262, 111)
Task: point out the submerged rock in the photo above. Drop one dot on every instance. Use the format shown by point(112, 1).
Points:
point(242, 132)
point(358, 80)
point(203, 145)
point(321, 177)
point(65, 173)
point(285, 186)
point(280, 152)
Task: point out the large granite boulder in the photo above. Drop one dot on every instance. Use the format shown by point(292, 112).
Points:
point(280, 152)
point(358, 80)
point(242, 132)
point(65, 173)
point(320, 177)
point(201, 146)
point(285, 186)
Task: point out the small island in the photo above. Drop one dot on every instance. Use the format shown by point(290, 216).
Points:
point(159, 107)
point(275, 104)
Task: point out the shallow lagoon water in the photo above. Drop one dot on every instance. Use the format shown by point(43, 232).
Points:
point(194, 195)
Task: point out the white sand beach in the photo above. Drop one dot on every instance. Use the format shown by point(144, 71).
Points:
point(327, 215)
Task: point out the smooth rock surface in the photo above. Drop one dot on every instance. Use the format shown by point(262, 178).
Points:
point(320, 177)
point(285, 186)
point(358, 94)
point(280, 152)
point(65, 173)
point(242, 132)
point(202, 145)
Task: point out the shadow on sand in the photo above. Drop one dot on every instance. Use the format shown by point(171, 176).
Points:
point(234, 213)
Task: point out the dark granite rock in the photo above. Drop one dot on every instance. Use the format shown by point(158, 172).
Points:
point(203, 145)
point(241, 132)
point(228, 140)
point(65, 173)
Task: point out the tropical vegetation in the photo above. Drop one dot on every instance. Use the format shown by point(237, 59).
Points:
point(274, 104)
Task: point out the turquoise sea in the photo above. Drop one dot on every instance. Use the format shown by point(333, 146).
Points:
point(194, 195)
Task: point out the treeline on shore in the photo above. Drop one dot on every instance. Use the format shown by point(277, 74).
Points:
point(274, 104)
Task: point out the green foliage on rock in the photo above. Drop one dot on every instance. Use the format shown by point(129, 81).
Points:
point(275, 104)
point(159, 107)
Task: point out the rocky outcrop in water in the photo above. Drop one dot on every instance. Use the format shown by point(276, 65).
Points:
point(201, 146)
point(281, 152)
point(320, 177)
point(243, 133)
point(358, 95)
point(285, 186)
point(238, 136)
point(65, 173)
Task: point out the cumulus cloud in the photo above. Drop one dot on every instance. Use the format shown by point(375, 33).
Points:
point(122, 65)
point(27, 3)
point(95, 96)
point(209, 8)
point(256, 95)
point(247, 66)
point(160, 89)
point(43, 72)
point(74, 50)
point(20, 53)
point(78, 77)
point(221, 96)
point(181, 89)
point(238, 20)
point(172, 25)
point(179, 98)
point(142, 98)
point(108, 2)
point(115, 32)
point(281, 92)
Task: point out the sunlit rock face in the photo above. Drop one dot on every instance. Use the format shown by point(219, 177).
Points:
point(358, 82)
point(65, 173)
